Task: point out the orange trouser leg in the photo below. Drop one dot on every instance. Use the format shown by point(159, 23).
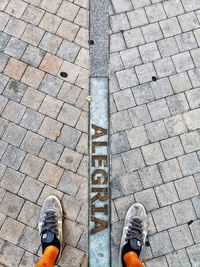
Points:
point(131, 259)
point(49, 257)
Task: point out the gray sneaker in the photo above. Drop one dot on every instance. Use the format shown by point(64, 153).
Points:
point(50, 223)
point(134, 231)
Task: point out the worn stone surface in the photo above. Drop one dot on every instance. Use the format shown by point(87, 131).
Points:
point(154, 123)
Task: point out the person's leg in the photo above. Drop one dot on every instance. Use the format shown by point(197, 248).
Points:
point(50, 229)
point(133, 237)
point(131, 260)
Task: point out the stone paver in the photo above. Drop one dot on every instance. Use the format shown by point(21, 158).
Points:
point(155, 122)
point(155, 130)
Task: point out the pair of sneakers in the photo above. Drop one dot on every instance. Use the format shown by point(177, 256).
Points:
point(133, 237)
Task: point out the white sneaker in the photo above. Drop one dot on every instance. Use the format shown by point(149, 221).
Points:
point(134, 231)
point(50, 223)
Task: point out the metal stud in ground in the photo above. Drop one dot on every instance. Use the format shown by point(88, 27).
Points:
point(99, 158)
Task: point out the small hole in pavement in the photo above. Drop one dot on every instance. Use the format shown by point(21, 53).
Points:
point(190, 222)
point(154, 78)
point(63, 74)
point(147, 244)
point(91, 42)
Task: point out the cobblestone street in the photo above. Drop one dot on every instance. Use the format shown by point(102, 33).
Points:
point(155, 123)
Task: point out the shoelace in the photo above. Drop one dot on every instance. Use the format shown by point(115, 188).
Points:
point(50, 222)
point(135, 230)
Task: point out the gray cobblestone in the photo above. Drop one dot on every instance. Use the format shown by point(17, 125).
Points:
point(172, 147)
point(161, 261)
point(122, 205)
point(12, 180)
point(4, 60)
point(149, 52)
point(11, 205)
point(13, 157)
point(70, 159)
point(170, 27)
point(48, 191)
point(178, 257)
point(139, 115)
point(15, 27)
point(3, 146)
point(137, 137)
point(121, 8)
point(183, 62)
point(33, 56)
point(137, 18)
point(130, 57)
point(119, 143)
point(166, 194)
point(156, 131)
point(173, 8)
point(32, 165)
point(71, 206)
point(156, 157)
point(150, 176)
point(116, 61)
point(186, 188)
point(194, 227)
point(30, 189)
point(32, 143)
point(117, 42)
point(168, 47)
point(152, 32)
point(158, 109)
point(130, 183)
point(3, 82)
point(155, 13)
point(32, 120)
point(124, 99)
point(166, 213)
point(4, 20)
point(147, 198)
point(196, 203)
point(180, 82)
point(175, 125)
point(51, 151)
point(161, 88)
point(181, 237)
point(15, 90)
point(186, 41)
point(193, 254)
point(50, 128)
point(164, 67)
point(3, 102)
point(195, 56)
point(124, 118)
point(29, 214)
point(170, 170)
point(11, 258)
point(14, 134)
point(117, 166)
point(29, 240)
point(3, 125)
point(134, 37)
point(51, 174)
point(50, 42)
point(33, 15)
point(145, 72)
point(191, 141)
point(133, 160)
point(70, 183)
point(184, 211)
point(160, 243)
point(15, 48)
point(32, 98)
point(13, 111)
point(69, 115)
point(188, 25)
point(189, 164)
point(51, 85)
point(194, 76)
point(4, 40)
point(143, 93)
point(126, 78)
point(68, 51)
